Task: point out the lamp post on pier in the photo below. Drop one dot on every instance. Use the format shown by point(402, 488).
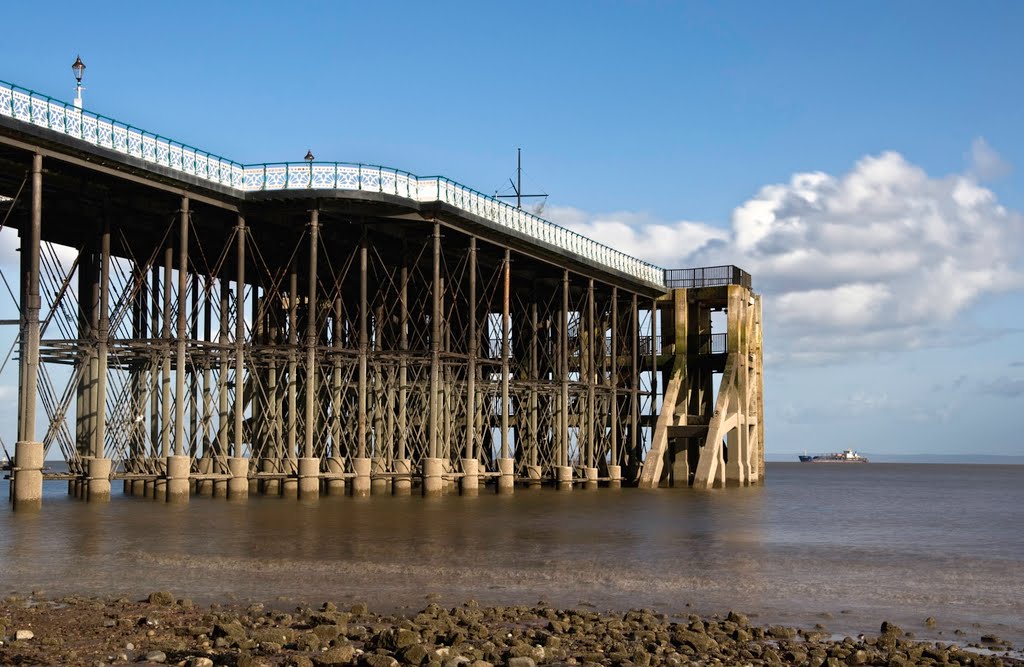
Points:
point(79, 69)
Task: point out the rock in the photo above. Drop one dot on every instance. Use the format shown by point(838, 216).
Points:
point(23, 635)
point(250, 660)
point(698, 641)
point(156, 656)
point(930, 621)
point(377, 660)
point(891, 629)
point(781, 632)
point(858, 657)
point(200, 662)
point(307, 641)
point(414, 654)
point(165, 598)
point(301, 661)
point(272, 636)
point(521, 662)
point(339, 655)
point(737, 618)
point(232, 631)
point(359, 609)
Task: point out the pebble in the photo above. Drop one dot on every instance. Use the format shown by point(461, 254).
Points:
point(200, 662)
point(24, 635)
point(156, 656)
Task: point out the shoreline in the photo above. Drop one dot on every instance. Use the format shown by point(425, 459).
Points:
point(162, 629)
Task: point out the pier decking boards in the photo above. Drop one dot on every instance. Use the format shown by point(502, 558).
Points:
point(309, 328)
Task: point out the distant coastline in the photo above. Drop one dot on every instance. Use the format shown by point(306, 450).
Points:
point(953, 459)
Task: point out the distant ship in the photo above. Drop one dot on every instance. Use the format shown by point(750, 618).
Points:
point(845, 456)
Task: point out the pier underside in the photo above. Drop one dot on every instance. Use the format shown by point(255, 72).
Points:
point(188, 340)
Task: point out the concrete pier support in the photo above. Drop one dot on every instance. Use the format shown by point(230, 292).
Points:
point(379, 483)
point(335, 486)
point(178, 478)
point(402, 485)
point(28, 475)
point(507, 480)
point(563, 475)
point(270, 487)
point(309, 478)
point(361, 482)
point(533, 473)
point(614, 477)
point(98, 480)
point(591, 478)
point(238, 483)
point(433, 480)
point(470, 477)
point(204, 487)
point(290, 484)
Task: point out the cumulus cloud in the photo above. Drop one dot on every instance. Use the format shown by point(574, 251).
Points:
point(986, 163)
point(883, 256)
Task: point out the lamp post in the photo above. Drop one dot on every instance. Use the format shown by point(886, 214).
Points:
point(79, 69)
point(309, 158)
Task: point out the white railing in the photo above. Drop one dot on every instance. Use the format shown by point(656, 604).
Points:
point(31, 107)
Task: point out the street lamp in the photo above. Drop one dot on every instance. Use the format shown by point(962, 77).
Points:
point(79, 69)
point(309, 158)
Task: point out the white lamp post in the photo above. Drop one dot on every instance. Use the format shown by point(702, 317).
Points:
point(79, 69)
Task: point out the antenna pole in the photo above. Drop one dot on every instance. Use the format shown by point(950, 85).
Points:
point(519, 177)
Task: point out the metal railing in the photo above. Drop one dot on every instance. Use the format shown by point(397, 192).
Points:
point(43, 111)
point(708, 276)
point(712, 343)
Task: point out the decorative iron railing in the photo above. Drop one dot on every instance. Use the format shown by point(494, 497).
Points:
point(708, 276)
point(43, 111)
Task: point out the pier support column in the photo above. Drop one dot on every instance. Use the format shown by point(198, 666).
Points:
point(238, 483)
point(507, 480)
point(614, 477)
point(336, 485)
point(470, 477)
point(309, 478)
point(378, 484)
point(28, 475)
point(402, 485)
point(178, 478)
point(433, 481)
point(533, 473)
point(563, 475)
point(361, 482)
point(204, 487)
point(591, 478)
point(270, 486)
point(98, 481)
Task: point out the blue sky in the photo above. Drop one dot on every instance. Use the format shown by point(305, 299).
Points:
point(891, 269)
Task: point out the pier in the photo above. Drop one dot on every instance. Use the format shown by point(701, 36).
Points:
point(311, 328)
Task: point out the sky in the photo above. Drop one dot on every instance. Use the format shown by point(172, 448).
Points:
point(862, 160)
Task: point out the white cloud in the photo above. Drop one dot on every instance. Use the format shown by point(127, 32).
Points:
point(882, 256)
point(986, 163)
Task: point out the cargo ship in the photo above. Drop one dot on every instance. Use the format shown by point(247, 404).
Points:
point(845, 456)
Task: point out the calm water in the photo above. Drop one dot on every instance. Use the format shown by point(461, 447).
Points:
point(862, 543)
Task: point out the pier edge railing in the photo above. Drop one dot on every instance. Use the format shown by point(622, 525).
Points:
point(44, 111)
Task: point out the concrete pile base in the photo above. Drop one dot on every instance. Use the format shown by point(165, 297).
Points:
point(533, 474)
point(309, 478)
point(335, 486)
point(361, 482)
point(238, 483)
point(470, 477)
point(614, 477)
point(402, 485)
point(507, 479)
point(178, 469)
point(98, 480)
point(591, 478)
point(563, 475)
point(28, 475)
point(433, 480)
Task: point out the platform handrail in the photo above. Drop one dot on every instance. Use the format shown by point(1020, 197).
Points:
point(707, 276)
point(41, 110)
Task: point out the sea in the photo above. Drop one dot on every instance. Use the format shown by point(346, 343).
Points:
point(843, 546)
